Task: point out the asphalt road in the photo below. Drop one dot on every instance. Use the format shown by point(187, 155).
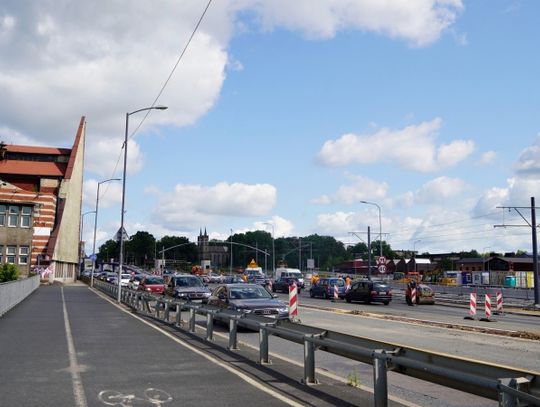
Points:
point(69, 346)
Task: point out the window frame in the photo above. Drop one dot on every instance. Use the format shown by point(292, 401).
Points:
point(9, 254)
point(23, 254)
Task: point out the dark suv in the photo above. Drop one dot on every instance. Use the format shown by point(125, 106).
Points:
point(369, 291)
point(282, 284)
point(187, 287)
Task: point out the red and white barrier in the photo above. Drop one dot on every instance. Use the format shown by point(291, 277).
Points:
point(413, 295)
point(499, 302)
point(336, 293)
point(488, 306)
point(270, 285)
point(293, 302)
point(472, 306)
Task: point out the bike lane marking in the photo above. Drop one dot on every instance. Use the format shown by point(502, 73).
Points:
point(241, 375)
point(74, 367)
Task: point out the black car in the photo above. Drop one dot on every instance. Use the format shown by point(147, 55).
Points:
point(249, 298)
point(187, 287)
point(369, 291)
point(282, 284)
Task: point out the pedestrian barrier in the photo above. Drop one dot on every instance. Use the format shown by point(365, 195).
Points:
point(413, 296)
point(336, 293)
point(499, 303)
point(293, 301)
point(472, 306)
point(511, 387)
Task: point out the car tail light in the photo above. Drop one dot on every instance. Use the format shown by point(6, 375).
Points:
point(374, 292)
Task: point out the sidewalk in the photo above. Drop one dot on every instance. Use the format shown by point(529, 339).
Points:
point(68, 346)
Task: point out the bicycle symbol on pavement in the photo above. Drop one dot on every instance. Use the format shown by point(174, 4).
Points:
point(115, 398)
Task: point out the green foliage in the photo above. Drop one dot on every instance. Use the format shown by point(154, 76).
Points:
point(140, 248)
point(8, 272)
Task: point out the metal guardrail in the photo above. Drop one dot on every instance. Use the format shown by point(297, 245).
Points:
point(509, 386)
point(13, 292)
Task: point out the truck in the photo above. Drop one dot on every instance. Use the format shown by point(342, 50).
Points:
point(290, 272)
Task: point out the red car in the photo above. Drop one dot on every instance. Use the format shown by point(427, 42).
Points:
point(152, 284)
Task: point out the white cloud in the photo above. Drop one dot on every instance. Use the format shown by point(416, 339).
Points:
point(419, 22)
point(360, 188)
point(412, 148)
point(190, 206)
point(336, 224)
point(528, 164)
point(488, 157)
point(440, 190)
point(110, 193)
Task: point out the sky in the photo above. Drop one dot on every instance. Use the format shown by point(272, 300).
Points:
point(283, 116)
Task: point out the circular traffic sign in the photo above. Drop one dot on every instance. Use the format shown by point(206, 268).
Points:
point(382, 269)
point(381, 260)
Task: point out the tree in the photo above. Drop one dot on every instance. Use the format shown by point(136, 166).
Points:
point(140, 248)
point(8, 272)
point(108, 250)
point(183, 249)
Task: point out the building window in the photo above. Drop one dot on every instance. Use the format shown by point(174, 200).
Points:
point(23, 255)
point(26, 213)
point(3, 215)
point(13, 216)
point(1, 254)
point(11, 252)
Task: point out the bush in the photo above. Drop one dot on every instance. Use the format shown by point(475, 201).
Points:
point(8, 272)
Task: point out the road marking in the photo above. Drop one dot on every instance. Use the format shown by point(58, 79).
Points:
point(241, 375)
point(74, 368)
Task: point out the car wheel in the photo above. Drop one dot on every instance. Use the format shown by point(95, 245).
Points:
point(348, 299)
point(273, 289)
point(386, 302)
point(311, 293)
point(326, 296)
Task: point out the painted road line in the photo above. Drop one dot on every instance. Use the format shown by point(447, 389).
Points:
point(74, 367)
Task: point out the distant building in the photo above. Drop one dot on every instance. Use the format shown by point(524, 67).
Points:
point(40, 207)
point(216, 254)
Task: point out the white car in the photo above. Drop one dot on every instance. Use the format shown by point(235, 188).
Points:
point(124, 279)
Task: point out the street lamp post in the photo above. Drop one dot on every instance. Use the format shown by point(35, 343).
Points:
point(95, 229)
point(121, 257)
point(273, 249)
point(380, 224)
point(414, 247)
point(81, 239)
point(230, 268)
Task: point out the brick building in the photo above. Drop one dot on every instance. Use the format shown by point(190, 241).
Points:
point(40, 207)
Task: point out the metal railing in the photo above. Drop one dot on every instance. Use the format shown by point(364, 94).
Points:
point(509, 386)
point(13, 292)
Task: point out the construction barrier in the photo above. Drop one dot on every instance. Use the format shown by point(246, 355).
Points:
point(270, 285)
point(499, 303)
point(488, 309)
point(336, 293)
point(472, 306)
point(293, 302)
point(413, 296)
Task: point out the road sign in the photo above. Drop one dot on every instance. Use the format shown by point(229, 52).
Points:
point(381, 261)
point(382, 269)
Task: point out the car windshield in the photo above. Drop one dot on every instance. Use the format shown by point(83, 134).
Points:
point(188, 282)
point(380, 286)
point(126, 276)
point(249, 292)
point(154, 280)
point(336, 281)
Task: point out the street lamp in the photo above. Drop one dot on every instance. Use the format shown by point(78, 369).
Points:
point(95, 227)
point(380, 225)
point(81, 238)
point(121, 257)
point(273, 248)
point(414, 246)
point(230, 269)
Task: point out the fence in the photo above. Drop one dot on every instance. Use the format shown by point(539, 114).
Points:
point(13, 292)
point(510, 387)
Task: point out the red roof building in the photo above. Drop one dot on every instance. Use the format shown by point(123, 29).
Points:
point(40, 207)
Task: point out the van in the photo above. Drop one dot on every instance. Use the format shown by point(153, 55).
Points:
point(282, 272)
point(255, 275)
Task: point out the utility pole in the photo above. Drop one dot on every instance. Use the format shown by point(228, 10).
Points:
point(533, 227)
point(369, 253)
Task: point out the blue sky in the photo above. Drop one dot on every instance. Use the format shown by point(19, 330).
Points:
point(289, 114)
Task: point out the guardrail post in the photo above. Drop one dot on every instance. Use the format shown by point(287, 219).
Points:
point(309, 361)
point(178, 320)
point(192, 320)
point(210, 326)
point(263, 345)
point(507, 398)
point(167, 312)
point(157, 310)
point(233, 333)
point(380, 382)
